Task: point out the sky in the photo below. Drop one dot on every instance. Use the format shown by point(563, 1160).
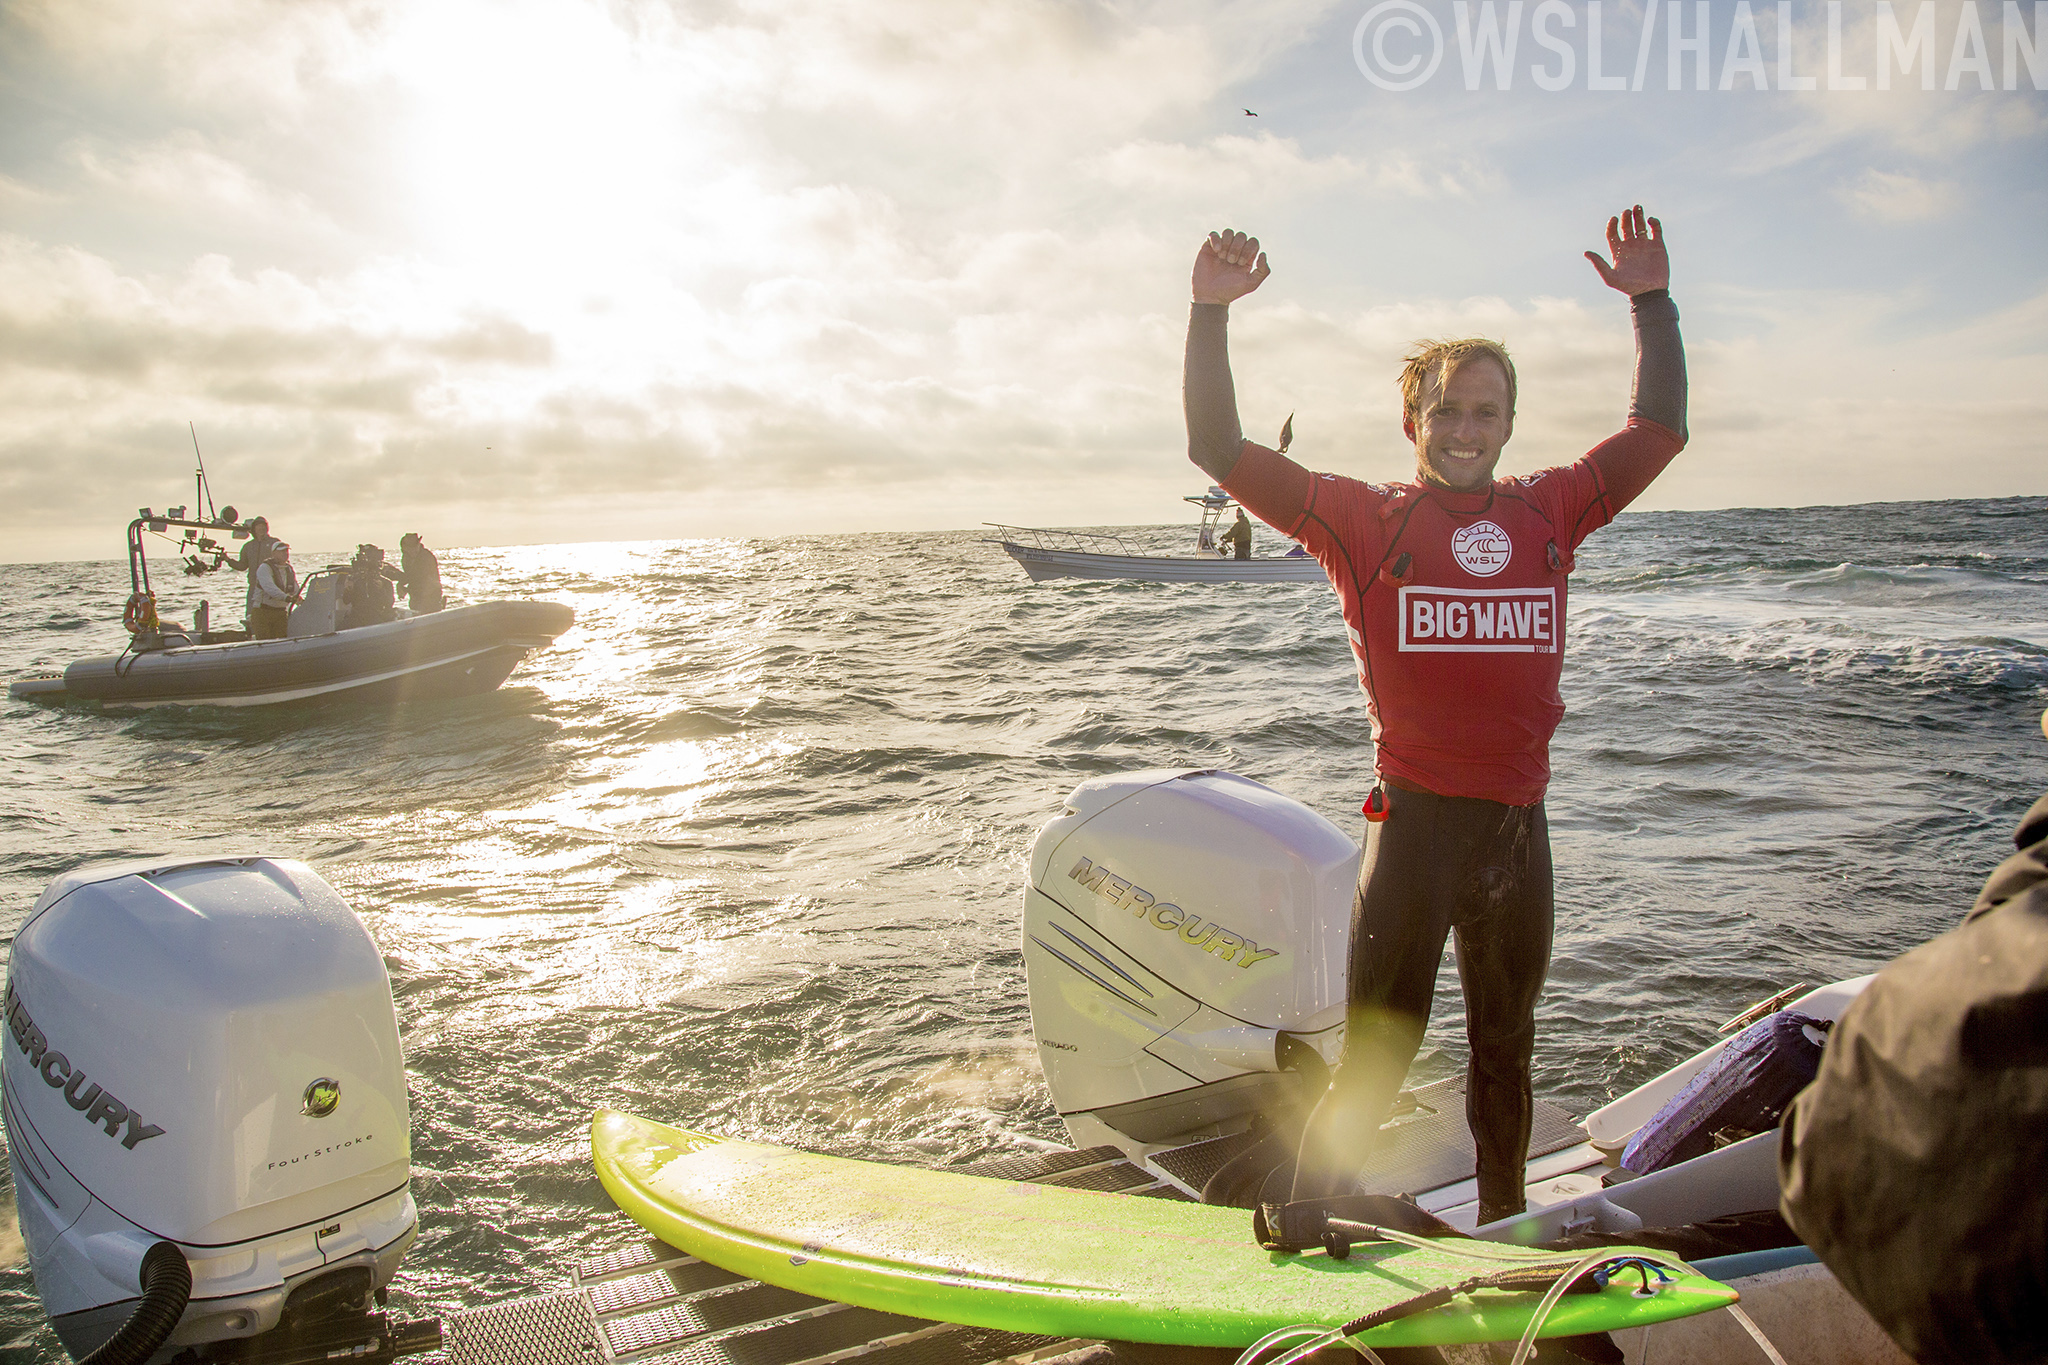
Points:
point(549, 270)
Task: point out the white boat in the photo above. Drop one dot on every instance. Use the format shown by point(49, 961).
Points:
point(1057, 553)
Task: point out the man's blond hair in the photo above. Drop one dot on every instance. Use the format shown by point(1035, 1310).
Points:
point(1439, 360)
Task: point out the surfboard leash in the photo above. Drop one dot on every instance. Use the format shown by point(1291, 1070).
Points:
point(1300, 1226)
point(1588, 1273)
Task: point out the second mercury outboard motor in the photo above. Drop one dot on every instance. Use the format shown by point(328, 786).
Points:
point(202, 1063)
point(1184, 943)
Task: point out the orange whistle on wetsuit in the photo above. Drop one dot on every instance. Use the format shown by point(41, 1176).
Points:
point(1375, 807)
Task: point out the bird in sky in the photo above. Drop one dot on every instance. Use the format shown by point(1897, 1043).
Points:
point(1250, 113)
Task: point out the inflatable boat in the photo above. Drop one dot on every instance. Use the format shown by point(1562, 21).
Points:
point(454, 653)
point(331, 650)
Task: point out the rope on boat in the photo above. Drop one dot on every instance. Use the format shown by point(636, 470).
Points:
point(1317, 1338)
point(1763, 1342)
point(1308, 1338)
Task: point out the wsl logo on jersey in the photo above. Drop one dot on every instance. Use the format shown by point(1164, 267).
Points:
point(1482, 548)
point(1479, 620)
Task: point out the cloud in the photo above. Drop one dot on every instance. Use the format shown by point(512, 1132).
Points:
point(1898, 198)
point(18, 198)
point(231, 58)
point(1934, 107)
point(1862, 406)
point(1810, 398)
point(1268, 169)
point(759, 268)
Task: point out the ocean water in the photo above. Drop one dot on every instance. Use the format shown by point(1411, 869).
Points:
point(745, 849)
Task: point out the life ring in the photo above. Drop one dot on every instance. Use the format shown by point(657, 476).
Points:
point(139, 616)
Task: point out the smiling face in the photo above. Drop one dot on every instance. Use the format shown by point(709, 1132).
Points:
point(1460, 424)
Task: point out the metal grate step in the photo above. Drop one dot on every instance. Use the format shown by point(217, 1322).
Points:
point(643, 1254)
point(1094, 1168)
point(746, 1303)
point(932, 1344)
point(830, 1331)
point(554, 1329)
point(653, 1288)
point(1119, 1178)
point(1041, 1166)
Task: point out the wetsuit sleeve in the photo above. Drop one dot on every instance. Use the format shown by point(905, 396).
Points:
point(1659, 392)
point(1274, 488)
point(1208, 396)
point(1656, 410)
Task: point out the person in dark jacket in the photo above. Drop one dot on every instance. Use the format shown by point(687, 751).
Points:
point(1913, 1165)
point(366, 595)
point(1239, 536)
point(420, 574)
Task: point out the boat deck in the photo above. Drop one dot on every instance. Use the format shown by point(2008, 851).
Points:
point(648, 1302)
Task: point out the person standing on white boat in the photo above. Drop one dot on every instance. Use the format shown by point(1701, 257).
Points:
point(1239, 536)
point(1453, 592)
point(277, 587)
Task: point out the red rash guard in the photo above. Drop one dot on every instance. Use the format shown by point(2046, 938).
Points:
point(1459, 649)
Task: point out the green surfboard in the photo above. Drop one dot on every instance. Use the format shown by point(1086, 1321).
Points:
point(1052, 1260)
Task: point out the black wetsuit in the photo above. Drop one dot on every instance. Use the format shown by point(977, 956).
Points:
point(1437, 863)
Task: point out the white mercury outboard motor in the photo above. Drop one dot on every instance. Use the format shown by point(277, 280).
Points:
point(1184, 943)
point(204, 1053)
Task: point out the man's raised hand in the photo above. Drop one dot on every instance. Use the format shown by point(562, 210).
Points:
point(1229, 266)
point(1637, 245)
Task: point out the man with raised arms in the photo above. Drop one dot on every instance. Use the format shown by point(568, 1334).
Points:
point(1453, 592)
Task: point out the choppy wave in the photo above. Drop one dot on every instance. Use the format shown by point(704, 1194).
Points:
point(746, 848)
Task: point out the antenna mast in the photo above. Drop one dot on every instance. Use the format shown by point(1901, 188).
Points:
point(201, 493)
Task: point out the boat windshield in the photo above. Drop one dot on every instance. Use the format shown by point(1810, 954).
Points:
point(1055, 538)
point(1215, 504)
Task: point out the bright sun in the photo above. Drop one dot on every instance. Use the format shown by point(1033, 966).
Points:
point(544, 148)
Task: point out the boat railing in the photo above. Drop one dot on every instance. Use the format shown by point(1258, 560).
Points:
point(1054, 538)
